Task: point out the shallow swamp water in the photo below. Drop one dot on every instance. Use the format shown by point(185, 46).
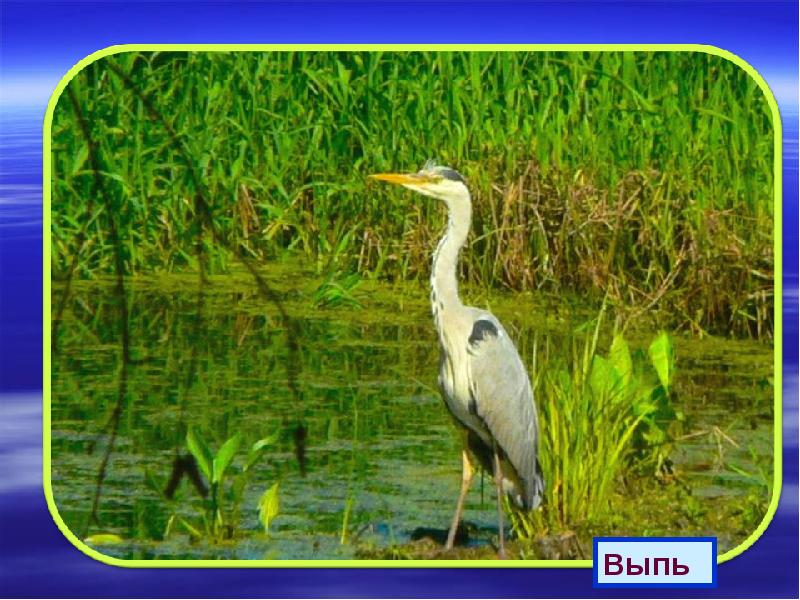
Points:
point(365, 454)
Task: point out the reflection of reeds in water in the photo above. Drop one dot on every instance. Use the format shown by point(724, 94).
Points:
point(647, 175)
point(194, 375)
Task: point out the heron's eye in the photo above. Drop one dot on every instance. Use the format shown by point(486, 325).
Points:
point(430, 176)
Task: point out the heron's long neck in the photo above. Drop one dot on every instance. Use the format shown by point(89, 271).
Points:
point(444, 285)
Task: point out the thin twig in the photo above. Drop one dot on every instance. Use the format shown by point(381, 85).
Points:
point(98, 188)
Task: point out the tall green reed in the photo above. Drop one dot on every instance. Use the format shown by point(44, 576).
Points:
point(648, 175)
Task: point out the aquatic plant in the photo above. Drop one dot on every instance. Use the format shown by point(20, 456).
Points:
point(222, 490)
point(600, 416)
point(269, 506)
point(338, 290)
point(759, 475)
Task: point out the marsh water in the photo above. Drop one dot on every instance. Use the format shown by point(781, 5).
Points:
point(365, 454)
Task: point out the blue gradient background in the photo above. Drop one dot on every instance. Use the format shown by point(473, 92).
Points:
point(39, 42)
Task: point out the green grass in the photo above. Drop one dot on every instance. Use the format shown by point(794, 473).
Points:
point(601, 417)
point(647, 176)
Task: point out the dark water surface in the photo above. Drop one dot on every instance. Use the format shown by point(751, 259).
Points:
point(380, 453)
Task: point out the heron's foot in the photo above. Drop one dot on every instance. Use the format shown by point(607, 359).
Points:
point(451, 536)
point(501, 549)
point(466, 479)
point(457, 535)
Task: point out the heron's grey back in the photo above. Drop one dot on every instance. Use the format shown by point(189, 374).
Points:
point(503, 399)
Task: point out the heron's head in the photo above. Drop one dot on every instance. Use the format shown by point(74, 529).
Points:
point(432, 180)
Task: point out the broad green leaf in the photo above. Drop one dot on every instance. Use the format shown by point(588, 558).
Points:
point(663, 358)
point(103, 539)
point(620, 358)
point(603, 378)
point(268, 506)
point(255, 449)
point(201, 452)
point(643, 405)
point(224, 457)
point(267, 441)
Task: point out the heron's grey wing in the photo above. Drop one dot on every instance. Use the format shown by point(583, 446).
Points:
point(501, 396)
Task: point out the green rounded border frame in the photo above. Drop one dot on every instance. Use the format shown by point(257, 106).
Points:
point(351, 563)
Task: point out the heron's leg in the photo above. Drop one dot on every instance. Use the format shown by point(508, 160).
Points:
point(498, 482)
point(466, 478)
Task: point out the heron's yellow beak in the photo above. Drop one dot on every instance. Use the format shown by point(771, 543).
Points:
point(402, 178)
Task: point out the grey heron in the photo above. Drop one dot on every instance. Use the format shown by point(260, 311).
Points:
point(481, 375)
